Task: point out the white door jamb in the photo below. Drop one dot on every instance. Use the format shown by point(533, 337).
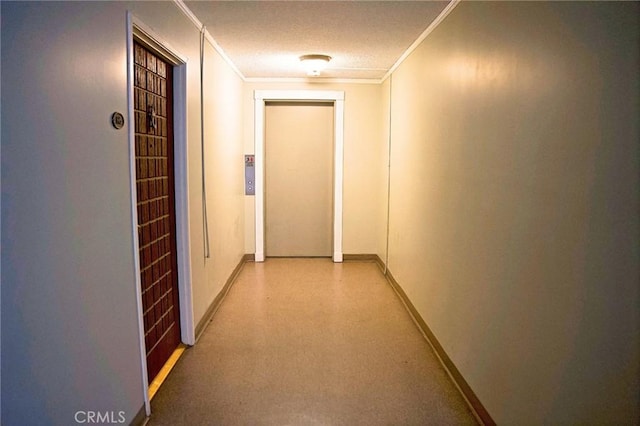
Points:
point(260, 99)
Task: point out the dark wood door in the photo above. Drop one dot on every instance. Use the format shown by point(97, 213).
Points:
point(153, 108)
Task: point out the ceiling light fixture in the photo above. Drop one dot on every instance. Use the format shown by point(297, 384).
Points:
point(314, 64)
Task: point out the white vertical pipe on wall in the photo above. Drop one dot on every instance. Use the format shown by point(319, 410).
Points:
point(205, 221)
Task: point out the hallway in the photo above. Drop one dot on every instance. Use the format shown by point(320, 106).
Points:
point(310, 342)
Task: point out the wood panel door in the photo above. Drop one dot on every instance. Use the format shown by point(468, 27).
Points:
point(299, 179)
point(153, 108)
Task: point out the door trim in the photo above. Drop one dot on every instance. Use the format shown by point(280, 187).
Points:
point(137, 29)
point(261, 97)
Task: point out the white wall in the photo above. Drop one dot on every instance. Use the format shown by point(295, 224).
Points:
point(362, 140)
point(69, 322)
point(225, 183)
point(514, 204)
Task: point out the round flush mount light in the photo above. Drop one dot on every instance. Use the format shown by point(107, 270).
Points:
point(314, 64)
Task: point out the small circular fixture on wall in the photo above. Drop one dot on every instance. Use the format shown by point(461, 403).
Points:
point(117, 120)
point(315, 63)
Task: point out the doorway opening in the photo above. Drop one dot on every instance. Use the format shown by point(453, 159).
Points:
point(155, 200)
point(159, 190)
point(298, 179)
point(261, 99)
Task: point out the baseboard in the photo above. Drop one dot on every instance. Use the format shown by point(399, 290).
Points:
point(140, 418)
point(364, 258)
point(482, 415)
point(202, 324)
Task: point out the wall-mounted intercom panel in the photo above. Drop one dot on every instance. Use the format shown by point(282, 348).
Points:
point(249, 175)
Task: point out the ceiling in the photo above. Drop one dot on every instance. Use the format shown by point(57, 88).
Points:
point(365, 39)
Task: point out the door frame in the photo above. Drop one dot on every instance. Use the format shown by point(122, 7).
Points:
point(138, 30)
point(261, 97)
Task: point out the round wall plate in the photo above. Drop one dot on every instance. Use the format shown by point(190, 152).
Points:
point(117, 120)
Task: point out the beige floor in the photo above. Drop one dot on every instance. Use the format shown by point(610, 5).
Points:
point(310, 342)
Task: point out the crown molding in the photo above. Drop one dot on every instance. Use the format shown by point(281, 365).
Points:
point(196, 22)
point(194, 19)
point(445, 12)
point(314, 80)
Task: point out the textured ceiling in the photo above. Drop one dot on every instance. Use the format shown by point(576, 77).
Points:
point(365, 38)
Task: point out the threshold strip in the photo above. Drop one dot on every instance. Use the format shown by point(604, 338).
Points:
point(165, 370)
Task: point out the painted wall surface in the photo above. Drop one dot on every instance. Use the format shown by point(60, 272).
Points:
point(224, 162)
point(362, 206)
point(69, 319)
point(514, 204)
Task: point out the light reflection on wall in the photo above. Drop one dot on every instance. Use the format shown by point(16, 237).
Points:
point(499, 72)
